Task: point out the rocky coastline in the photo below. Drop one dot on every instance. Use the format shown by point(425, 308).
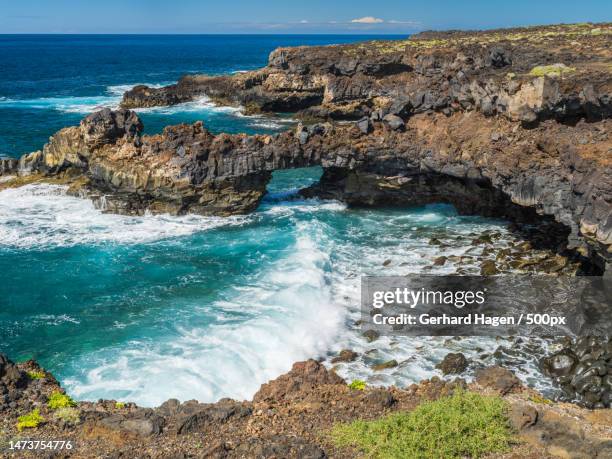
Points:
point(512, 123)
point(508, 123)
point(289, 417)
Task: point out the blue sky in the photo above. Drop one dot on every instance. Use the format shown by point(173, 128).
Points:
point(287, 16)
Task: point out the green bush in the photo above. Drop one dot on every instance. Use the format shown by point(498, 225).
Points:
point(69, 415)
point(119, 405)
point(358, 384)
point(464, 424)
point(30, 420)
point(557, 70)
point(34, 374)
point(59, 400)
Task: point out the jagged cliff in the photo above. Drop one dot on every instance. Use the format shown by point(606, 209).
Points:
point(512, 123)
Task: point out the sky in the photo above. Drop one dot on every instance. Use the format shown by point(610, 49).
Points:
point(287, 16)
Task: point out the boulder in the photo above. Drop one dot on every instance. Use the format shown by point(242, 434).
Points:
point(488, 268)
point(380, 398)
point(221, 412)
point(364, 125)
point(453, 364)
point(143, 423)
point(499, 57)
point(497, 379)
point(559, 364)
point(394, 122)
point(345, 355)
point(371, 335)
point(385, 365)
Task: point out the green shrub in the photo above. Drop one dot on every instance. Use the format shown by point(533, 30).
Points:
point(537, 398)
point(34, 374)
point(358, 384)
point(69, 415)
point(464, 424)
point(59, 400)
point(30, 420)
point(119, 405)
point(551, 70)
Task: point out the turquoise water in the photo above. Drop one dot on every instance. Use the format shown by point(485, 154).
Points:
point(148, 308)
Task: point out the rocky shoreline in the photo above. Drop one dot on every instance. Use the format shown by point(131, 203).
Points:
point(289, 417)
point(512, 123)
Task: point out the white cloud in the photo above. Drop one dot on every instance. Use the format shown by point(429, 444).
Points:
point(368, 20)
point(303, 21)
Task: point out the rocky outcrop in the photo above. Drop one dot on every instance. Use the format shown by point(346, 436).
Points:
point(303, 377)
point(523, 74)
point(8, 166)
point(481, 165)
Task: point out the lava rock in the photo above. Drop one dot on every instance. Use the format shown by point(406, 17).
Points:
point(498, 379)
point(213, 414)
point(380, 397)
point(560, 364)
point(385, 365)
point(453, 363)
point(143, 424)
point(394, 122)
point(302, 377)
point(371, 335)
point(488, 268)
point(522, 416)
point(364, 125)
point(345, 355)
point(499, 57)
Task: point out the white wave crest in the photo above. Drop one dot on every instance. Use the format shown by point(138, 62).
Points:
point(291, 318)
point(42, 215)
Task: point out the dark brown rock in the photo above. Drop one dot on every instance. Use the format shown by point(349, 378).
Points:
point(385, 365)
point(498, 379)
point(302, 377)
point(380, 397)
point(212, 414)
point(453, 364)
point(345, 355)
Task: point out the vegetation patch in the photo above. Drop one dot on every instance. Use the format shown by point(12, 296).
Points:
point(357, 384)
point(30, 420)
point(464, 424)
point(36, 374)
point(555, 70)
point(58, 400)
point(68, 415)
point(119, 405)
point(537, 398)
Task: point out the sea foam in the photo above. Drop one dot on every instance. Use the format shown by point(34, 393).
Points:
point(42, 215)
point(289, 317)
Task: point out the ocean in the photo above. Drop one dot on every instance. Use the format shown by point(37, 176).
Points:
point(149, 308)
